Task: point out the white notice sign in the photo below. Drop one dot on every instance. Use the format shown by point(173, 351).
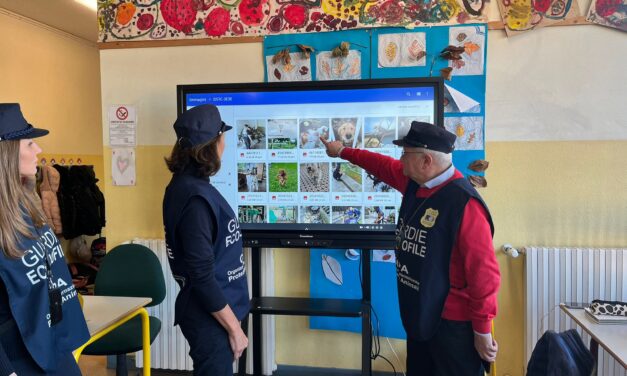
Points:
point(122, 125)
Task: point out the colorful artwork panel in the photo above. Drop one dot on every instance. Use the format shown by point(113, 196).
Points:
point(524, 15)
point(610, 13)
point(120, 20)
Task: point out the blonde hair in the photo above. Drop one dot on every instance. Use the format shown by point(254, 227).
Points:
point(17, 198)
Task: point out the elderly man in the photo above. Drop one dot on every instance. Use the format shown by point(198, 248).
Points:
point(447, 273)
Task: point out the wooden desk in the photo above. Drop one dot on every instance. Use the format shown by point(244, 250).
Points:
point(612, 337)
point(105, 313)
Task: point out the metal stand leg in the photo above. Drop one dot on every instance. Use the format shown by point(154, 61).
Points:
point(256, 282)
point(366, 328)
point(120, 365)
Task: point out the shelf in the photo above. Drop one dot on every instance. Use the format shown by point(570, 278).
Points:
point(307, 306)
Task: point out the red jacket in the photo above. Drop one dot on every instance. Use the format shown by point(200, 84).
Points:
point(473, 262)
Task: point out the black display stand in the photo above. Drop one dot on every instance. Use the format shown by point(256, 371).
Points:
point(261, 305)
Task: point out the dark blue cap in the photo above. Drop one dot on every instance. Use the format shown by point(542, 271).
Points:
point(428, 136)
point(13, 126)
point(199, 125)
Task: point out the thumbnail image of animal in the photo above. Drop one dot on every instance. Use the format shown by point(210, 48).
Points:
point(315, 173)
point(379, 132)
point(251, 177)
point(282, 177)
point(251, 134)
point(315, 214)
point(311, 130)
point(346, 214)
point(346, 131)
point(314, 177)
point(373, 184)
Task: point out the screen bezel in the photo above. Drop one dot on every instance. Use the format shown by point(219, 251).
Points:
point(327, 235)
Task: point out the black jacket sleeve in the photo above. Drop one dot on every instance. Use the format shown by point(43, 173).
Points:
point(196, 232)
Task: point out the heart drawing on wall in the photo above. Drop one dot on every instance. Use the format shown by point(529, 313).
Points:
point(122, 163)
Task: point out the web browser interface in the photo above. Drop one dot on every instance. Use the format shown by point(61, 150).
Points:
point(275, 169)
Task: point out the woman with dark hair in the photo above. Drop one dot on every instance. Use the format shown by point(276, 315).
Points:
point(41, 321)
point(205, 247)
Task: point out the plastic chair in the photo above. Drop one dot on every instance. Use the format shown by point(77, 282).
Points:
point(128, 270)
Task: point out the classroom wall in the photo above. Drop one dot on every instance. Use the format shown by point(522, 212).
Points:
point(56, 79)
point(556, 144)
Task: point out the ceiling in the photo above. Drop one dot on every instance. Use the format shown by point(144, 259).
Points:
point(67, 15)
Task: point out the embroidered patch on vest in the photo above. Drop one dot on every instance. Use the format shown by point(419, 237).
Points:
point(428, 219)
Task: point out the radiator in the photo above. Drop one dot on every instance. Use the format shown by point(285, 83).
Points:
point(170, 349)
point(555, 275)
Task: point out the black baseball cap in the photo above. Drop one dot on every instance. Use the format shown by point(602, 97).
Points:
point(13, 126)
point(200, 125)
point(428, 136)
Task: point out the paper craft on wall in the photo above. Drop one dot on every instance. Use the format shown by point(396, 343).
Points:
point(192, 19)
point(123, 166)
point(472, 39)
point(469, 132)
point(402, 50)
point(455, 101)
point(298, 69)
point(383, 255)
point(524, 15)
point(332, 269)
point(610, 13)
point(338, 68)
point(350, 48)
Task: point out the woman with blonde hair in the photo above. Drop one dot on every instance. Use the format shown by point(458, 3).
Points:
point(41, 321)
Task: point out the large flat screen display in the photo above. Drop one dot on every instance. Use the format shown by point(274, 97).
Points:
point(275, 172)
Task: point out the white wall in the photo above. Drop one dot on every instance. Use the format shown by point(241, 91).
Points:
point(56, 79)
point(148, 77)
point(557, 83)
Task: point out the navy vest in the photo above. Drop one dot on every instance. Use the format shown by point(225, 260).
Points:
point(27, 288)
point(230, 270)
point(425, 233)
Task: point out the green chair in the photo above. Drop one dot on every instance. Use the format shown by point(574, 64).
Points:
point(128, 270)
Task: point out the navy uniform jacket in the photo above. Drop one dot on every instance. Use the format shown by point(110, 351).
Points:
point(426, 231)
point(204, 249)
point(26, 285)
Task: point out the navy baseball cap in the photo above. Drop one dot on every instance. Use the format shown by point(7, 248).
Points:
point(200, 124)
point(13, 126)
point(428, 136)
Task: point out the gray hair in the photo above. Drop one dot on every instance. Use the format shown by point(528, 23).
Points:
point(440, 159)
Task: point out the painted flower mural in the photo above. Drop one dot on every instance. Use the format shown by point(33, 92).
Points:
point(611, 13)
point(524, 15)
point(180, 19)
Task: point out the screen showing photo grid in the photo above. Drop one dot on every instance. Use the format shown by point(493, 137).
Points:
point(275, 169)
